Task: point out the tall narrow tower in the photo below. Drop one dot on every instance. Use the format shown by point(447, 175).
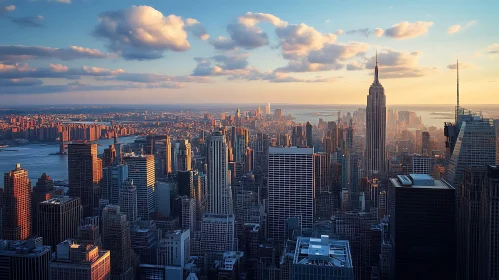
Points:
point(375, 156)
point(17, 205)
point(219, 192)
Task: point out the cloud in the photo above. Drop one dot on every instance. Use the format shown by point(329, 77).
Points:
point(220, 65)
point(407, 30)
point(457, 27)
point(462, 65)
point(196, 28)
point(223, 43)
point(298, 39)
point(393, 64)
point(154, 78)
point(20, 82)
point(7, 9)
point(18, 71)
point(142, 32)
point(454, 29)
point(251, 19)
point(28, 21)
point(17, 53)
point(355, 65)
point(275, 77)
point(339, 32)
point(366, 32)
point(493, 49)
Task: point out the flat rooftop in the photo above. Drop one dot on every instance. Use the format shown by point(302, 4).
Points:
point(58, 200)
point(420, 181)
point(322, 252)
point(291, 151)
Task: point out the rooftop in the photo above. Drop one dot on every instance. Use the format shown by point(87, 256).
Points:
point(322, 252)
point(291, 151)
point(58, 200)
point(422, 181)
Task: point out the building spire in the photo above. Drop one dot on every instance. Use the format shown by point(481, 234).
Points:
point(457, 105)
point(376, 79)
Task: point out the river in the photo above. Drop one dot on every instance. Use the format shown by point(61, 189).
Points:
point(37, 159)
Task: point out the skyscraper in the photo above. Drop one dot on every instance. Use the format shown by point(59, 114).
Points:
point(113, 178)
point(128, 201)
point(85, 174)
point(422, 225)
point(425, 143)
point(219, 191)
point(267, 109)
point(116, 239)
point(308, 131)
point(375, 156)
point(43, 190)
point(290, 189)
point(17, 205)
point(141, 171)
point(184, 157)
point(26, 260)
point(109, 156)
point(58, 219)
point(489, 226)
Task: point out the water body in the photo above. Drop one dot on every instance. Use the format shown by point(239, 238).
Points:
point(37, 159)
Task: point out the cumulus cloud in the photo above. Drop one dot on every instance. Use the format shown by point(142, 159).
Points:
point(355, 65)
point(407, 30)
point(17, 53)
point(220, 64)
point(7, 9)
point(142, 32)
point(339, 32)
point(298, 39)
point(196, 28)
point(458, 27)
point(19, 71)
point(20, 82)
point(61, 1)
point(28, 21)
point(462, 65)
point(395, 64)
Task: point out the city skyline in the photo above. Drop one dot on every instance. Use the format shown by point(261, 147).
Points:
point(173, 52)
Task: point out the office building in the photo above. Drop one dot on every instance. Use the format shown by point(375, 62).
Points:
point(309, 135)
point(321, 259)
point(217, 233)
point(422, 164)
point(26, 260)
point(116, 239)
point(43, 190)
point(426, 148)
point(59, 219)
point(17, 205)
point(267, 109)
point(375, 156)
point(174, 248)
point(229, 267)
point(144, 239)
point(162, 193)
point(290, 189)
point(80, 262)
point(239, 141)
point(113, 178)
point(468, 223)
point(85, 174)
point(109, 156)
point(419, 205)
point(188, 217)
point(141, 172)
point(128, 201)
point(152, 272)
point(219, 191)
point(185, 183)
point(489, 226)
point(184, 155)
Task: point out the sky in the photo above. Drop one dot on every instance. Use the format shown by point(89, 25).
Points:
point(226, 51)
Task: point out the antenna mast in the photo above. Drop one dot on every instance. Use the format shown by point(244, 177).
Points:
point(457, 107)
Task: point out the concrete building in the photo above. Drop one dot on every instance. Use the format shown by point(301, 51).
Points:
point(229, 267)
point(290, 189)
point(219, 191)
point(84, 175)
point(174, 248)
point(141, 171)
point(418, 205)
point(116, 239)
point(17, 205)
point(26, 260)
point(43, 190)
point(58, 219)
point(144, 240)
point(489, 225)
point(217, 233)
point(375, 155)
point(80, 262)
point(184, 156)
point(322, 259)
point(128, 201)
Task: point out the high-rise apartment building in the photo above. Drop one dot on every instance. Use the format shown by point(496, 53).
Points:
point(59, 219)
point(489, 225)
point(85, 174)
point(113, 178)
point(375, 156)
point(116, 239)
point(17, 205)
point(26, 260)
point(290, 189)
point(419, 205)
point(141, 171)
point(219, 190)
point(128, 201)
point(80, 262)
point(43, 190)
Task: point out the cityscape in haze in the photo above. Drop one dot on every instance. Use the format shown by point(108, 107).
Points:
point(257, 140)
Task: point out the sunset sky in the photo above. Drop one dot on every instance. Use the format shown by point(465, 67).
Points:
point(228, 51)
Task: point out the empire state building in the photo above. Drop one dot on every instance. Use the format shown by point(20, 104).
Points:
point(375, 156)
